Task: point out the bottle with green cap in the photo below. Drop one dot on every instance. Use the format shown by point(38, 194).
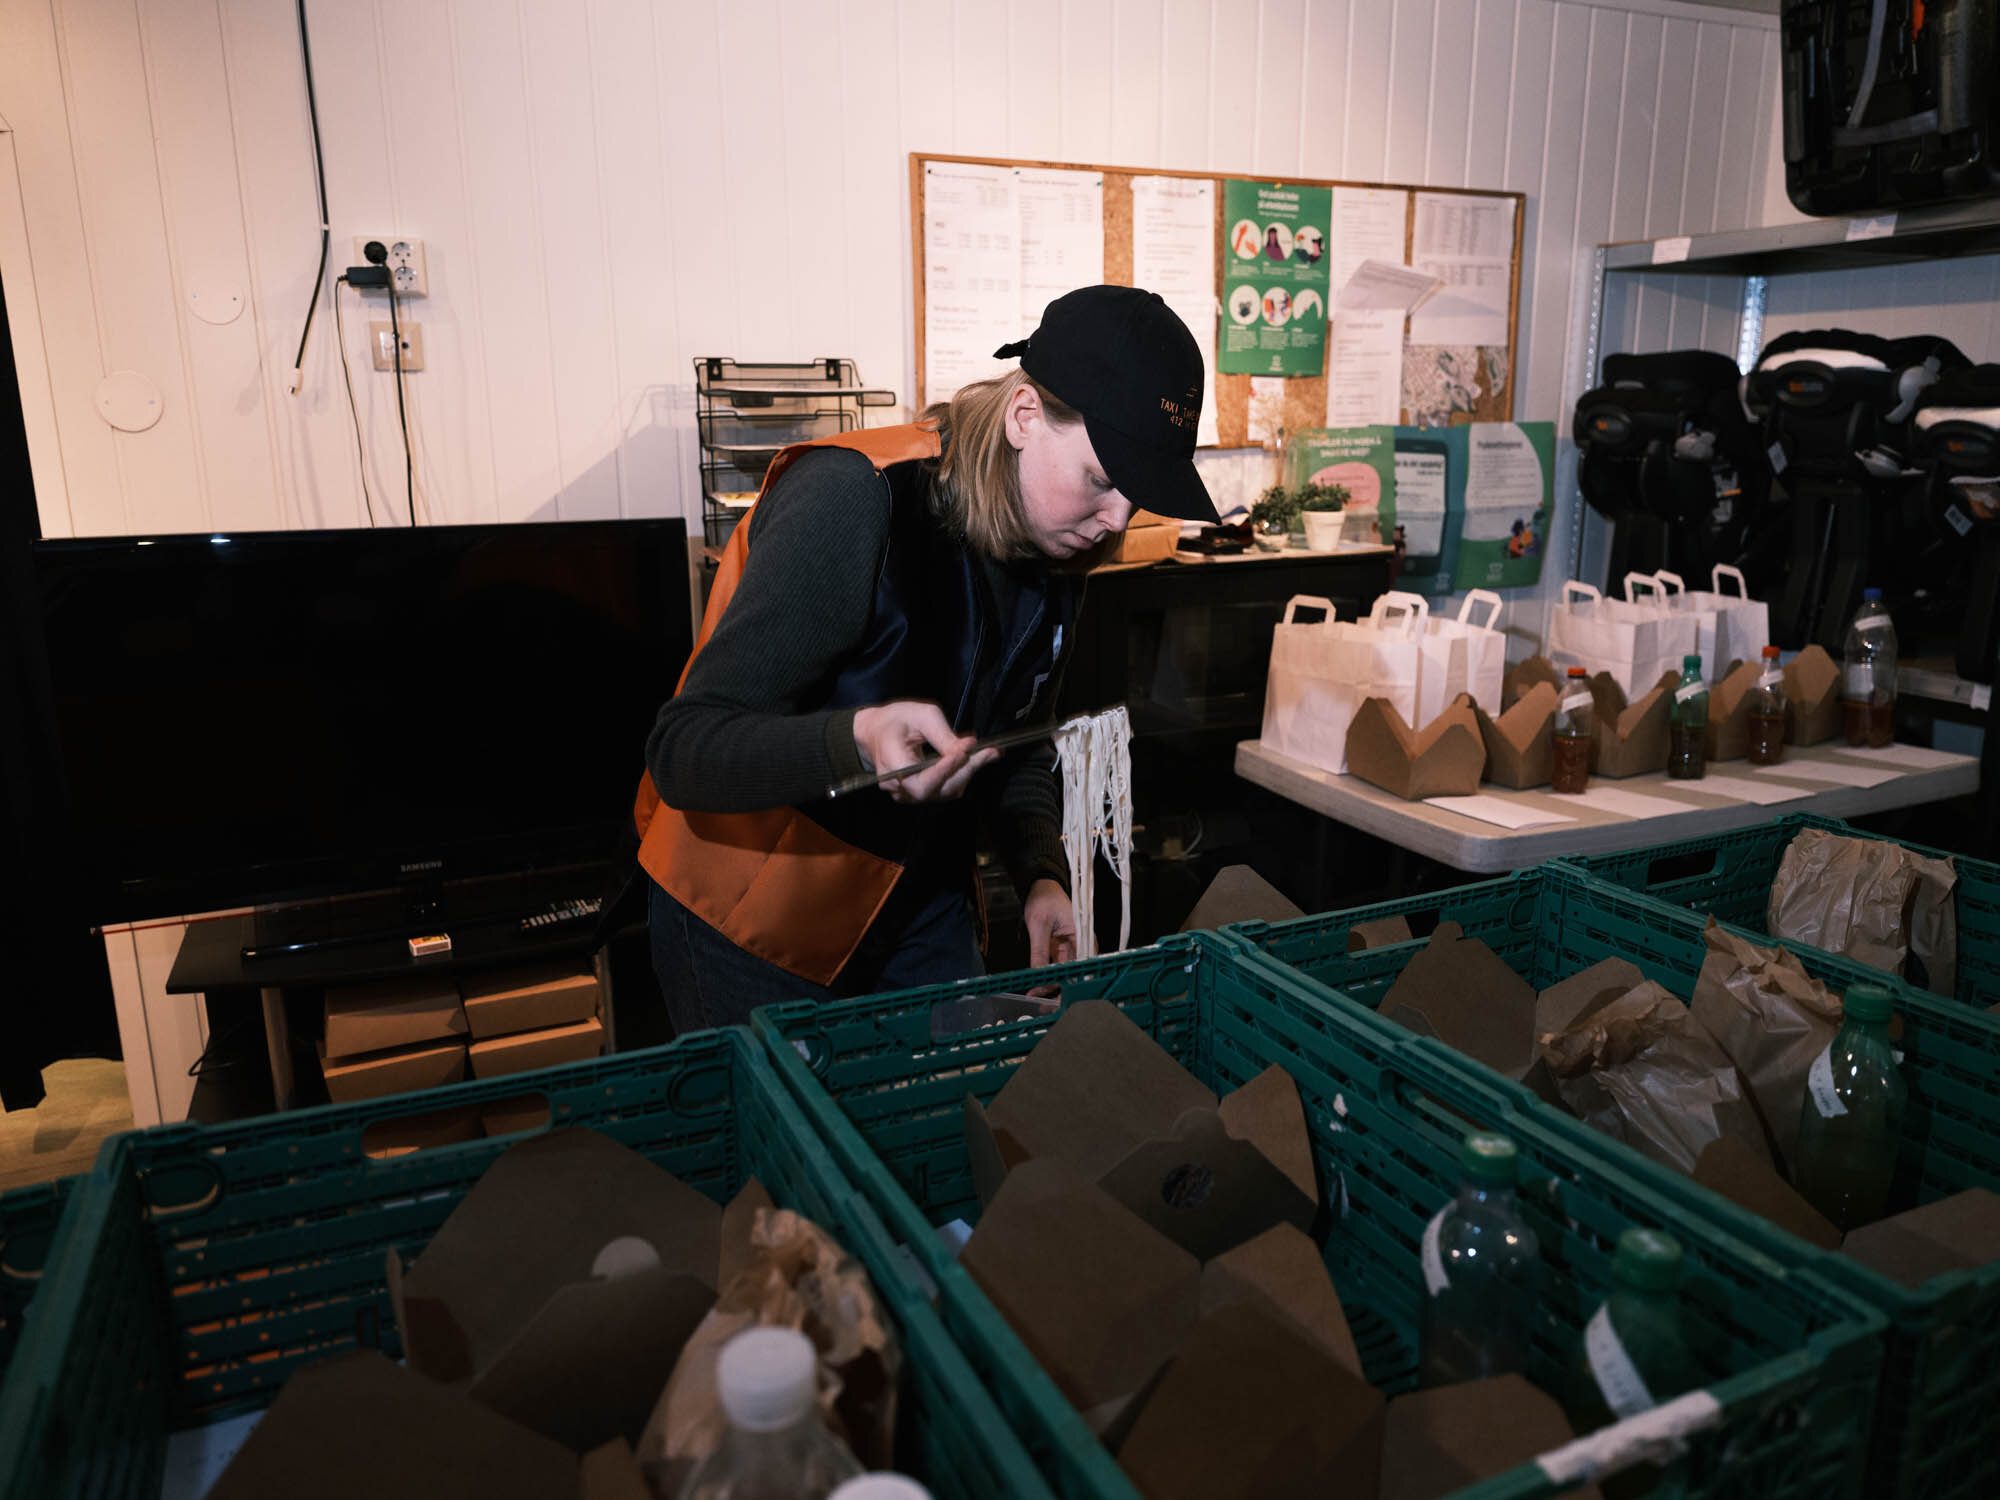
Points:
point(1483, 1271)
point(1851, 1125)
point(1687, 724)
point(1633, 1355)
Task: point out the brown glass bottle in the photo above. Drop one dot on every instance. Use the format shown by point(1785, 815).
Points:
point(1573, 734)
point(1765, 727)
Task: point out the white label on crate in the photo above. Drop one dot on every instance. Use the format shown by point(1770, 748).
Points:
point(1618, 1378)
point(1689, 690)
point(1433, 1257)
point(1982, 696)
point(1872, 622)
point(1819, 1085)
point(1673, 248)
point(1960, 521)
point(1771, 679)
point(1860, 680)
point(1880, 227)
point(1776, 453)
point(1577, 700)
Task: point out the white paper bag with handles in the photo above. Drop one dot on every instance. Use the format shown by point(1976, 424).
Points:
point(1485, 649)
point(1441, 659)
point(1735, 626)
point(1322, 673)
point(1635, 639)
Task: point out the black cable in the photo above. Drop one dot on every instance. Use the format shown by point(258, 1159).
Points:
point(409, 463)
point(340, 336)
point(325, 227)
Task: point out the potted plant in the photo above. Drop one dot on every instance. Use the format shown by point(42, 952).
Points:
point(1322, 505)
point(1272, 516)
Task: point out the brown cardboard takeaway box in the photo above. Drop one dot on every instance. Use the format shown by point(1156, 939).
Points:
point(1630, 739)
point(1812, 697)
point(394, 1013)
point(537, 1049)
point(1443, 759)
point(511, 1000)
point(1147, 538)
point(1439, 1441)
point(1729, 712)
point(1957, 1233)
point(505, 1304)
point(1523, 676)
point(427, 1065)
point(1520, 744)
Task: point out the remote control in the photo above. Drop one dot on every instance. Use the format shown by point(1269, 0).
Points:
point(562, 914)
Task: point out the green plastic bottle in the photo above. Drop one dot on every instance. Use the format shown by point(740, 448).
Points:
point(1483, 1270)
point(1633, 1355)
point(1687, 724)
point(1851, 1125)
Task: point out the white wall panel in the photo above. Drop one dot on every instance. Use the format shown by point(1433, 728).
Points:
point(607, 190)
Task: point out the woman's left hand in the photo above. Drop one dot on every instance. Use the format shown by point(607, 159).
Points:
point(1051, 924)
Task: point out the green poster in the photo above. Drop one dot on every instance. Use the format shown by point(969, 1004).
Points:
point(1275, 278)
point(1509, 502)
point(1362, 460)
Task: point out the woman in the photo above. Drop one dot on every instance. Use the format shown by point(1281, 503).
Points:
point(897, 593)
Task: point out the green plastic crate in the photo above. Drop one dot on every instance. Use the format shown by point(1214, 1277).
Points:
point(1730, 875)
point(29, 1220)
point(1941, 1378)
point(1386, 1119)
point(160, 1317)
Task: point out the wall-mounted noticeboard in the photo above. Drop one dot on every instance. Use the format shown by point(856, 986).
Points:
point(993, 240)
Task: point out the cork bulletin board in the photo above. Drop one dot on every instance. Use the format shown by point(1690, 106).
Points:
point(1442, 384)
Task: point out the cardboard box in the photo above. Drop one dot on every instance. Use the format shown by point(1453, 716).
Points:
point(1282, 1272)
point(1959, 1233)
point(1812, 697)
point(427, 1066)
point(507, 1001)
point(1524, 676)
point(1463, 993)
point(537, 1049)
point(1444, 759)
point(1630, 739)
point(1384, 932)
point(1563, 1004)
point(1239, 894)
point(505, 1303)
point(1520, 744)
point(1728, 1167)
point(396, 1013)
point(1147, 538)
point(1729, 712)
point(408, 1133)
point(1438, 1442)
point(359, 1424)
point(1100, 1095)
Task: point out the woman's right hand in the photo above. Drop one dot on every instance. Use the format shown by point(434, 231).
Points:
point(889, 735)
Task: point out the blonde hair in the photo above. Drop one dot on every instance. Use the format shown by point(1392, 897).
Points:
point(976, 481)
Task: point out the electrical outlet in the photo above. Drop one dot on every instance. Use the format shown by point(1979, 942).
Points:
point(381, 342)
point(405, 263)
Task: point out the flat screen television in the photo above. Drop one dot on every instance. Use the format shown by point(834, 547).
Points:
point(264, 716)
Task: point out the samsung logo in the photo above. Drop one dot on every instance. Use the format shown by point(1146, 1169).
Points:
point(420, 865)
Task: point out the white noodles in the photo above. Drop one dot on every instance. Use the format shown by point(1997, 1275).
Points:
point(1096, 755)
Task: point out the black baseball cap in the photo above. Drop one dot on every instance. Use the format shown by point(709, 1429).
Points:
point(1129, 366)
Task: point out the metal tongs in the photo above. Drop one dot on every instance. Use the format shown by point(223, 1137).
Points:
point(1007, 741)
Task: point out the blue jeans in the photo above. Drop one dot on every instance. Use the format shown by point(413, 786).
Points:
point(709, 981)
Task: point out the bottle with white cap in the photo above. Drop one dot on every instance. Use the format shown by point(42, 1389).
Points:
point(777, 1448)
point(881, 1487)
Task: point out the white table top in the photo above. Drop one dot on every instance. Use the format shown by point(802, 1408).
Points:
point(1485, 848)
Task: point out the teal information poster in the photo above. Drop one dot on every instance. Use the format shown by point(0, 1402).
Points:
point(1275, 278)
point(1509, 500)
point(1428, 504)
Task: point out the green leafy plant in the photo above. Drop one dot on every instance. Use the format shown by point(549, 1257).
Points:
point(1277, 509)
point(1323, 496)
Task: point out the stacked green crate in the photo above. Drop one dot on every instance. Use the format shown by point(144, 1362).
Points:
point(1730, 875)
point(205, 1264)
point(1941, 1379)
point(29, 1220)
point(1386, 1118)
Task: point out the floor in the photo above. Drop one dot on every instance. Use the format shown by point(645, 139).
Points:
point(86, 1102)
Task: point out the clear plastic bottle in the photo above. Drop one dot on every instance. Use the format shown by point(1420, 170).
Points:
point(1483, 1268)
point(1687, 724)
point(1633, 1354)
point(1868, 688)
point(1766, 714)
point(881, 1487)
point(776, 1447)
point(1573, 733)
point(1851, 1125)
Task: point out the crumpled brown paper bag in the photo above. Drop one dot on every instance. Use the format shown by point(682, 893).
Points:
point(1870, 899)
point(1771, 1017)
point(796, 1277)
point(1645, 1072)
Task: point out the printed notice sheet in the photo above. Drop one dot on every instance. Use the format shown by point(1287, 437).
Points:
point(1364, 371)
point(1173, 253)
point(1368, 224)
point(972, 273)
point(1062, 236)
point(1468, 244)
point(1499, 810)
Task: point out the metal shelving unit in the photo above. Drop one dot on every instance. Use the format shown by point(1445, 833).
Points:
point(745, 413)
